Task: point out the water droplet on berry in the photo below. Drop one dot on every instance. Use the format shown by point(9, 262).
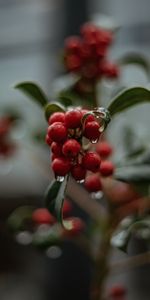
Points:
point(80, 181)
point(97, 195)
point(60, 178)
point(94, 141)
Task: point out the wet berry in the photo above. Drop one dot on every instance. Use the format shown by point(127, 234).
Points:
point(73, 118)
point(61, 166)
point(106, 168)
point(71, 148)
point(91, 161)
point(57, 132)
point(56, 117)
point(93, 183)
point(78, 172)
point(91, 130)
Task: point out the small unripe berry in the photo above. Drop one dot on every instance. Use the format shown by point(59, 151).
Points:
point(71, 148)
point(78, 172)
point(106, 168)
point(56, 148)
point(42, 216)
point(57, 132)
point(91, 130)
point(73, 118)
point(48, 140)
point(91, 161)
point(56, 117)
point(61, 166)
point(104, 149)
point(93, 183)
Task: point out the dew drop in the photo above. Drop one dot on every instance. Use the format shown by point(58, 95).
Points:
point(60, 178)
point(94, 141)
point(80, 181)
point(97, 195)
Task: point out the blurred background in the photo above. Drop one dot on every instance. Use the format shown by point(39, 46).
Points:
point(31, 41)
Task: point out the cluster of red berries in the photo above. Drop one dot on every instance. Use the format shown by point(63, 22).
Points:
point(117, 292)
point(6, 147)
point(86, 55)
point(65, 136)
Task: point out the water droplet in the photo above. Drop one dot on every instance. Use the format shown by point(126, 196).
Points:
point(60, 178)
point(94, 141)
point(80, 181)
point(97, 195)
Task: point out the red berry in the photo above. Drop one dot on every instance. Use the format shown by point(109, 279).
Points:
point(56, 117)
point(57, 132)
point(85, 51)
point(71, 148)
point(42, 216)
point(109, 70)
point(73, 63)
point(93, 183)
point(117, 291)
point(78, 172)
point(91, 130)
point(89, 117)
point(67, 208)
point(89, 30)
point(106, 168)
point(74, 227)
point(73, 44)
point(48, 140)
point(61, 166)
point(90, 70)
point(104, 149)
point(56, 148)
point(73, 118)
point(91, 161)
point(104, 37)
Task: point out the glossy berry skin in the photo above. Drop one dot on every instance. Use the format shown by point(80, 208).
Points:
point(73, 118)
point(91, 130)
point(93, 183)
point(75, 227)
point(91, 161)
point(56, 148)
point(48, 140)
point(61, 166)
point(71, 148)
point(56, 117)
point(78, 172)
point(106, 168)
point(57, 132)
point(117, 291)
point(42, 216)
point(104, 149)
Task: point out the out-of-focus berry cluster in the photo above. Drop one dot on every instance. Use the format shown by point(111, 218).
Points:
point(6, 145)
point(86, 55)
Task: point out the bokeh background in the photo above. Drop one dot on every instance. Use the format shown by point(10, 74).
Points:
point(31, 41)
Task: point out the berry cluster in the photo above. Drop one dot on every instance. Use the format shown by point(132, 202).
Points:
point(93, 182)
point(87, 55)
point(65, 136)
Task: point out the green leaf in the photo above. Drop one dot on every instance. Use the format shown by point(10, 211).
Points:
point(136, 59)
point(19, 216)
point(129, 98)
point(133, 174)
point(32, 90)
point(55, 197)
point(65, 98)
point(47, 236)
point(53, 107)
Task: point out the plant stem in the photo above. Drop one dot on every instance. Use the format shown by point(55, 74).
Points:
point(101, 268)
